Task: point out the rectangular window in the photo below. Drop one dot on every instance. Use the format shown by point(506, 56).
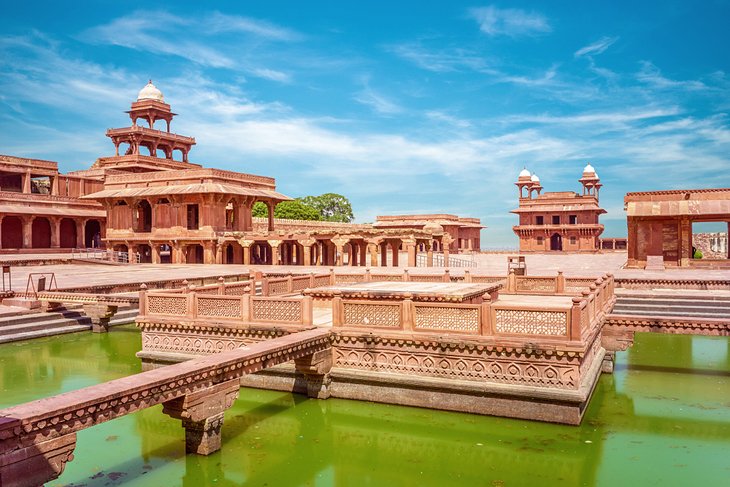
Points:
point(193, 217)
point(573, 240)
point(539, 240)
point(573, 219)
point(539, 220)
point(556, 219)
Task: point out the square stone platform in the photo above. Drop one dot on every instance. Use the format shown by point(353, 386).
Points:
point(466, 293)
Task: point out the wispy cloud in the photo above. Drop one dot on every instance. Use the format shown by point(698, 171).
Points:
point(597, 47)
point(651, 75)
point(440, 60)
point(378, 102)
point(161, 32)
point(510, 22)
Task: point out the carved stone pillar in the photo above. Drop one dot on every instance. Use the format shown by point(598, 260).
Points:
point(202, 415)
point(274, 251)
point(373, 251)
point(271, 207)
point(80, 233)
point(27, 232)
point(208, 252)
point(412, 252)
point(56, 233)
point(316, 368)
point(156, 257)
point(100, 315)
point(26, 182)
point(429, 254)
point(246, 245)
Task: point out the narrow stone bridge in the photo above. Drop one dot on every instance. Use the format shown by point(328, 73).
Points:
point(100, 308)
point(39, 437)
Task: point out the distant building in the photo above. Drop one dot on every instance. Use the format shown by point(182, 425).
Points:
point(558, 221)
point(461, 234)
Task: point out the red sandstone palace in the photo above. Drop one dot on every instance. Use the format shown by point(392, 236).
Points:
point(559, 221)
point(149, 201)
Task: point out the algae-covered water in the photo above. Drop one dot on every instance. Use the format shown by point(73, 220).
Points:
point(662, 419)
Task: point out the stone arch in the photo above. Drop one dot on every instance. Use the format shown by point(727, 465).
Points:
point(40, 233)
point(144, 216)
point(67, 237)
point(12, 232)
point(556, 242)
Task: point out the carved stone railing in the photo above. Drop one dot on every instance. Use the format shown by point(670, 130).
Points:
point(274, 286)
point(573, 321)
point(245, 309)
point(38, 438)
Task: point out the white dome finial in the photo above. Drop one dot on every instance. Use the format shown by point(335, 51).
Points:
point(535, 179)
point(150, 92)
point(525, 173)
point(589, 169)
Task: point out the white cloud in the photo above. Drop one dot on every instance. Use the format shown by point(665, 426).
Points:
point(218, 22)
point(441, 60)
point(652, 76)
point(597, 47)
point(511, 22)
point(378, 102)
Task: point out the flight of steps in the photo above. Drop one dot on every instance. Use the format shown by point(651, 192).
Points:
point(35, 325)
point(685, 304)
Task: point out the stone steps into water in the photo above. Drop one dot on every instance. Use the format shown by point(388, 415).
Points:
point(673, 304)
point(36, 325)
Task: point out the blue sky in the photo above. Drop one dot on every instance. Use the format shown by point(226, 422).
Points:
point(401, 106)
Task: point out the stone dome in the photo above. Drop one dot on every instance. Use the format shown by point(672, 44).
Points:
point(525, 173)
point(589, 169)
point(150, 92)
point(433, 228)
point(535, 179)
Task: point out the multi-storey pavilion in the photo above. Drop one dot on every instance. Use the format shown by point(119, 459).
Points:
point(40, 208)
point(165, 210)
point(558, 221)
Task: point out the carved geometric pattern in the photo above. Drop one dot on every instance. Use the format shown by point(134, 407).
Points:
point(486, 279)
point(386, 277)
point(236, 290)
point(320, 281)
point(289, 311)
point(454, 319)
point(372, 314)
point(413, 362)
point(222, 308)
point(299, 283)
point(437, 278)
point(278, 287)
point(207, 290)
point(167, 305)
point(536, 284)
point(345, 278)
point(528, 322)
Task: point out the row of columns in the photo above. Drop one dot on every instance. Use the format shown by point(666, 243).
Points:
point(55, 229)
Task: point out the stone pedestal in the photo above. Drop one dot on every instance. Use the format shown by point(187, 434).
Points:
point(100, 315)
point(202, 415)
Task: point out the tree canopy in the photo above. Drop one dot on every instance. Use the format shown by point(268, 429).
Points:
point(331, 207)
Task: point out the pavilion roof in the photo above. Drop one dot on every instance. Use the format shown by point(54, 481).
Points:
point(181, 189)
point(51, 211)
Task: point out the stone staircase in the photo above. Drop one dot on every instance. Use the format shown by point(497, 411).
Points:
point(673, 304)
point(24, 326)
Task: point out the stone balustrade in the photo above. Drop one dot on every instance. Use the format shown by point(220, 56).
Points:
point(38, 438)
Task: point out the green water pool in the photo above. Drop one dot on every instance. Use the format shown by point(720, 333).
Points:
point(663, 418)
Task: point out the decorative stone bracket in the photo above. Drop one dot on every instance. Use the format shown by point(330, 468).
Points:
point(202, 415)
point(38, 463)
point(316, 368)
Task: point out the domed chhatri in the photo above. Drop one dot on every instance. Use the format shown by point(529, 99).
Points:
point(150, 92)
point(524, 173)
point(589, 169)
point(535, 179)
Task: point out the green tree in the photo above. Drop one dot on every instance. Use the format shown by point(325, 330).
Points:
point(332, 207)
point(291, 210)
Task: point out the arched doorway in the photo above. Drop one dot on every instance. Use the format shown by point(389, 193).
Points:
point(12, 233)
point(144, 216)
point(68, 233)
point(92, 234)
point(556, 242)
point(41, 233)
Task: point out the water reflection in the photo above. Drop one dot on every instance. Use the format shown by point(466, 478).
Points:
point(664, 417)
